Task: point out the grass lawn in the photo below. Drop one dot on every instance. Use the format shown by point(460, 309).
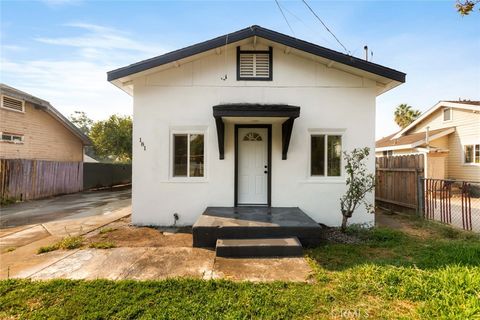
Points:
point(390, 274)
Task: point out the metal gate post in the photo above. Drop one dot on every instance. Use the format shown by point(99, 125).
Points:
point(420, 196)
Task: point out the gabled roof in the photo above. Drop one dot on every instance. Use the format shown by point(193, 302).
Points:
point(465, 104)
point(45, 106)
point(262, 33)
point(411, 140)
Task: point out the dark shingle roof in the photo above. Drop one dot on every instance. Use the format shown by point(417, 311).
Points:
point(262, 33)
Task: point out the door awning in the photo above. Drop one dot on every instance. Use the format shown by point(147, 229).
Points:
point(254, 111)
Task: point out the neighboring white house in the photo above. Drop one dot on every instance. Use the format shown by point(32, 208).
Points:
point(254, 118)
point(448, 134)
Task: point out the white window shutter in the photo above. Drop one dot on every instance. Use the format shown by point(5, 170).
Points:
point(254, 65)
point(262, 65)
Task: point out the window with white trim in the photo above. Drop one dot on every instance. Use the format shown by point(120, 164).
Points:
point(447, 114)
point(12, 104)
point(254, 65)
point(472, 154)
point(326, 155)
point(11, 137)
point(188, 155)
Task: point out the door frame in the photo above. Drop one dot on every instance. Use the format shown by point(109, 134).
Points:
point(269, 160)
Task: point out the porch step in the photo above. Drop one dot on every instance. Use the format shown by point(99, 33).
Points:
point(267, 247)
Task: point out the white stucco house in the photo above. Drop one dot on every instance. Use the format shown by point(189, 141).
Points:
point(251, 118)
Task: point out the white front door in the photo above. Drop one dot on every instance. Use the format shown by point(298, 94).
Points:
point(253, 166)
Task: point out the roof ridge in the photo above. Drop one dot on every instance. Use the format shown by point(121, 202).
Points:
point(256, 30)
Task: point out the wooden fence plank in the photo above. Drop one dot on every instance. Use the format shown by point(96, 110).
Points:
point(397, 179)
point(23, 179)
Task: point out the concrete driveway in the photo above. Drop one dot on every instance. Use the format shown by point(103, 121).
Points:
point(72, 206)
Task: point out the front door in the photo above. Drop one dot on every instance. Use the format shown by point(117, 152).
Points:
point(252, 166)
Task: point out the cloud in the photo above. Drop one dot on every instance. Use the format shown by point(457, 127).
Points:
point(101, 37)
point(59, 3)
point(76, 80)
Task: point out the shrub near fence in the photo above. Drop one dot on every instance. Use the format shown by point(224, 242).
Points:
point(22, 179)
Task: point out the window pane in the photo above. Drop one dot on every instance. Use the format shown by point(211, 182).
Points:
point(196, 155)
point(334, 155)
point(180, 155)
point(477, 153)
point(469, 154)
point(6, 137)
point(318, 156)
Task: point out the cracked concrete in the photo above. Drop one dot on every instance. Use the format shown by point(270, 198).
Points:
point(141, 253)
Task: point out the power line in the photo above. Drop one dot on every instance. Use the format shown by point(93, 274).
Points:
point(311, 10)
point(309, 27)
point(284, 17)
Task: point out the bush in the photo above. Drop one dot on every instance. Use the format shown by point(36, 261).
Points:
point(67, 243)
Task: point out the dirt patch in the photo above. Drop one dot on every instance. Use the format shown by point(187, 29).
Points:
point(402, 223)
point(122, 234)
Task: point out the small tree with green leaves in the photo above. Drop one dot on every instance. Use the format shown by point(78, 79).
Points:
point(82, 121)
point(359, 183)
point(112, 138)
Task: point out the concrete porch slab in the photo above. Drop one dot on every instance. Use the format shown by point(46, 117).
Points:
point(254, 223)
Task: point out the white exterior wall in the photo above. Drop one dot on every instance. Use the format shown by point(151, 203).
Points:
point(183, 96)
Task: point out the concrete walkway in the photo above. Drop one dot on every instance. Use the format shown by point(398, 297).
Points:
point(143, 254)
point(19, 246)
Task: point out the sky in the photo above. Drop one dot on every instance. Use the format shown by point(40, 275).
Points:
point(60, 50)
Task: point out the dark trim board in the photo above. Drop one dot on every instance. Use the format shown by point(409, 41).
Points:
point(255, 110)
point(269, 161)
point(265, 34)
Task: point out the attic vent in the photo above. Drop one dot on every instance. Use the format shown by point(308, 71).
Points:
point(254, 65)
point(12, 104)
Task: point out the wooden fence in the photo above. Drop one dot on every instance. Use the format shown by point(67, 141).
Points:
point(397, 180)
point(98, 175)
point(22, 179)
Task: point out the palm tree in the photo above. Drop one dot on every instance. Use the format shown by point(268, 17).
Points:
point(405, 114)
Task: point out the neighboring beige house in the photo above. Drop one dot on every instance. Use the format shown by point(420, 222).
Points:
point(448, 135)
point(31, 128)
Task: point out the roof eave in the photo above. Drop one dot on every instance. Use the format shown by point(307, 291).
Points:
point(432, 110)
point(47, 107)
point(263, 33)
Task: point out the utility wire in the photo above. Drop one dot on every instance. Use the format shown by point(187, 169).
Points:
point(285, 17)
point(305, 2)
point(314, 32)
